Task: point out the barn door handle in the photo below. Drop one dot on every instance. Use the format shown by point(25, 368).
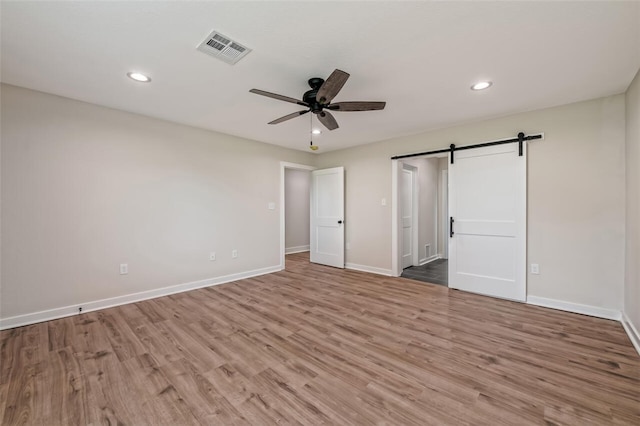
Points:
point(451, 227)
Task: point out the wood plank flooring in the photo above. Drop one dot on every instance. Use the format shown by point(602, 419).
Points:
point(317, 345)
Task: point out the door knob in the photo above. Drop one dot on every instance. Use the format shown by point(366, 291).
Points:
point(339, 222)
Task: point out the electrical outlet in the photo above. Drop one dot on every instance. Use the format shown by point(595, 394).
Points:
point(383, 202)
point(234, 253)
point(271, 206)
point(535, 268)
point(212, 255)
point(124, 269)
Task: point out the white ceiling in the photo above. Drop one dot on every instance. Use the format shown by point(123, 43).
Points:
point(420, 57)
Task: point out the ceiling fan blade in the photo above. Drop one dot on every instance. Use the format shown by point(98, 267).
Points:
point(331, 86)
point(328, 120)
point(289, 116)
point(278, 97)
point(357, 106)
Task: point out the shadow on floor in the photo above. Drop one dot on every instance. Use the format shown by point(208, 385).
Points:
point(435, 272)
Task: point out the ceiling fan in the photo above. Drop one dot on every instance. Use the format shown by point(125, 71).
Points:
point(318, 100)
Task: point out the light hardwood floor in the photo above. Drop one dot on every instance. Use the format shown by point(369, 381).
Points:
point(317, 345)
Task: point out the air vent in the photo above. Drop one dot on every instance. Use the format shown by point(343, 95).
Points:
point(222, 47)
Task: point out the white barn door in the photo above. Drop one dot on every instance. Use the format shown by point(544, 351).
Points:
point(327, 217)
point(487, 203)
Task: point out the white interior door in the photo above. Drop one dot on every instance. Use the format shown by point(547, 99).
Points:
point(327, 217)
point(406, 214)
point(487, 201)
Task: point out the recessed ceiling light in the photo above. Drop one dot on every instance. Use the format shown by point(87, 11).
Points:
point(481, 85)
point(138, 77)
point(316, 131)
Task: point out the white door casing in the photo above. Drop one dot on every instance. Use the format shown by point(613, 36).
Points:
point(487, 201)
point(327, 217)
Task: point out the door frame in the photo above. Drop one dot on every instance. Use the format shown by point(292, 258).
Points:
point(283, 166)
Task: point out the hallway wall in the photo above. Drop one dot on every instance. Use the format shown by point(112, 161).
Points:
point(296, 210)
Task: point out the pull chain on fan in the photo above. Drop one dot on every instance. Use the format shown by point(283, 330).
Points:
point(311, 145)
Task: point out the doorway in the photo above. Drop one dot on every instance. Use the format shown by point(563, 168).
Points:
point(323, 205)
point(421, 228)
point(295, 184)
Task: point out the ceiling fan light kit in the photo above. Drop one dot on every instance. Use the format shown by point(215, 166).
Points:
point(318, 100)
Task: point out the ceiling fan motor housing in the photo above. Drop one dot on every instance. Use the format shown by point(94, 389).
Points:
point(310, 96)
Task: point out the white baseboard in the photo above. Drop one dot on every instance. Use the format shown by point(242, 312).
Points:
point(365, 268)
point(66, 311)
point(632, 331)
point(297, 249)
point(429, 259)
point(576, 308)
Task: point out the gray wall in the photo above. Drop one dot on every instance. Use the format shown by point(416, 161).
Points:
point(576, 196)
point(86, 188)
point(632, 259)
point(296, 211)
